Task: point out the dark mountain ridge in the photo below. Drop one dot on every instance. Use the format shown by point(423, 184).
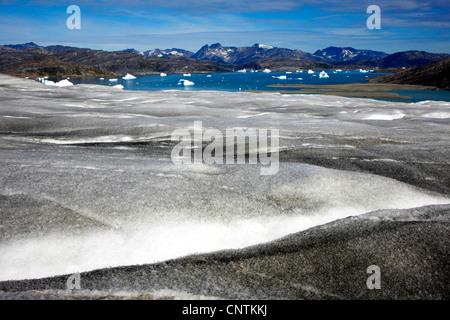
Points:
point(241, 55)
point(435, 74)
point(337, 54)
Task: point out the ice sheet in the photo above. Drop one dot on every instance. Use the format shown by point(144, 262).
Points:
point(87, 181)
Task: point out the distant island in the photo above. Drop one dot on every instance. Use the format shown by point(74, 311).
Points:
point(32, 60)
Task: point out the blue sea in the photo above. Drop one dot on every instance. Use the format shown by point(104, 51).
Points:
point(242, 81)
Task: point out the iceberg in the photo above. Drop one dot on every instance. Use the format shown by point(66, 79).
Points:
point(101, 79)
point(186, 74)
point(243, 71)
point(112, 80)
point(280, 77)
point(363, 71)
point(118, 86)
point(185, 82)
point(129, 77)
point(209, 76)
point(162, 74)
point(310, 71)
point(267, 70)
point(62, 83)
point(323, 74)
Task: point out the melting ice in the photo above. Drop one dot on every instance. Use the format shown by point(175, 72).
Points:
point(91, 187)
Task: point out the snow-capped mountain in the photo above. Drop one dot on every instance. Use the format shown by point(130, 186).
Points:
point(338, 54)
point(239, 55)
point(158, 53)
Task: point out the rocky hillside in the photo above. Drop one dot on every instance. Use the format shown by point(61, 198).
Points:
point(35, 62)
point(435, 74)
point(411, 59)
point(60, 62)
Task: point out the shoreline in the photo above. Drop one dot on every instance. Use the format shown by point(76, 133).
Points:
point(351, 90)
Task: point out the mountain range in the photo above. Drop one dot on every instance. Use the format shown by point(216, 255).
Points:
point(30, 59)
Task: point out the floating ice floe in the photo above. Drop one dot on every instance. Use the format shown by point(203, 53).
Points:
point(363, 71)
point(288, 72)
point(129, 77)
point(62, 83)
point(209, 76)
point(185, 82)
point(112, 80)
point(243, 71)
point(280, 77)
point(118, 86)
point(338, 70)
point(267, 70)
point(162, 74)
point(323, 74)
point(101, 79)
point(186, 74)
point(310, 71)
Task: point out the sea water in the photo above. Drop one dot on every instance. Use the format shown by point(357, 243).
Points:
point(244, 81)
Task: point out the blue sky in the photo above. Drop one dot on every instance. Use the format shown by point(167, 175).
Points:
point(307, 25)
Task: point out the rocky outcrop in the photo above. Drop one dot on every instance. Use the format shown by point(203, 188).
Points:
point(436, 74)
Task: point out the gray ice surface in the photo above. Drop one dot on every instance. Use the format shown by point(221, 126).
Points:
point(87, 183)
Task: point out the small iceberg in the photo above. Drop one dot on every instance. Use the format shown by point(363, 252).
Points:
point(62, 83)
point(280, 77)
point(162, 74)
point(363, 71)
point(185, 82)
point(323, 74)
point(128, 77)
point(186, 74)
point(112, 80)
point(267, 70)
point(288, 72)
point(209, 76)
point(299, 71)
point(243, 71)
point(101, 79)
point(118, 86)
point(338, 70)
point(310, 71)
